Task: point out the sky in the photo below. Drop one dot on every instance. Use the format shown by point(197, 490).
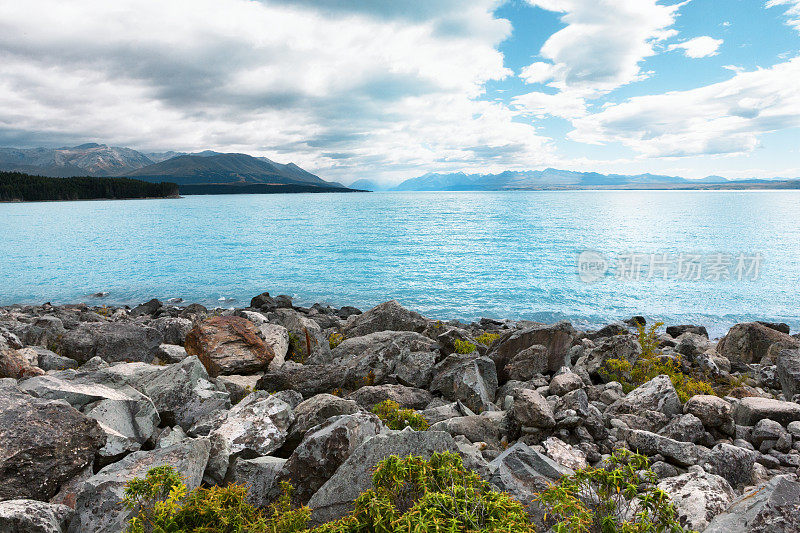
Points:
point(389, 90)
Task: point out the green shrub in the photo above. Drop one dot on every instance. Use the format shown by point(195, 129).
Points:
point(413, 494)
point(487, 338)
point(650, 364)
point(619, 498)
point(295, 352)
point(463, 346)
point(395, 418)
point(161, 503)
point(335, 340)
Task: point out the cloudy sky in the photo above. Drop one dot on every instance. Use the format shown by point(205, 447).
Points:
point(389, 89)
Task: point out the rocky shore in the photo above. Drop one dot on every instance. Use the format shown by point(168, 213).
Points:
point(91, 397)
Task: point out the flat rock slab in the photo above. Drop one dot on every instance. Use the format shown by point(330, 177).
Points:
point(752, 409)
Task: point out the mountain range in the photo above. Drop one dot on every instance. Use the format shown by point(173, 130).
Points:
point(554, 179)
point(208, 168)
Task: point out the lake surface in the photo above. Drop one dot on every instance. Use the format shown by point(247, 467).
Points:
point(448, 255)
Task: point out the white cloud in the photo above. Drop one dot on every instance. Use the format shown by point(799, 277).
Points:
point(698, 47)
point(792, 11)
point(345, 88)
point(564, 105)
point(721, 118)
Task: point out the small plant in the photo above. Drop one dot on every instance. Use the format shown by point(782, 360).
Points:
point(335, 340)
point(395, 418)
point(622, 497)
point(463, 347)
point(295, 352)
point(412, 494)
point(652, 363)
point(161, 503)
point(487, 338)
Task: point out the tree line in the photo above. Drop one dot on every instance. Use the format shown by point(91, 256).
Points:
point(16, 186)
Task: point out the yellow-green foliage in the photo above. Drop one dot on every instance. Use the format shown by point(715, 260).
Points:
point(395, 418)
point(622, 497)
point(161, 503)
point(463, 346)
point(335, 340)
point(652, 363)
point(295, 352)
point(487, 338)
point(413, 494)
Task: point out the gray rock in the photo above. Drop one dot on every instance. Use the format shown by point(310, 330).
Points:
point(787, 369)
point(677, 331)
point(733, 463)
point(42, 445)
point(257, 426)
point(111, 341)
point(522, 471)
point(238, 386)
point(169, 437)
point(685, 428)
point(564, 454)
point(443, 412)
point(303, 333)
point(315, 411)
point(748, 342)
point(566, 382)
point(618, 347)
point(173, 330)
point(698, 497)
point(752, 409)
point(532, 410)
point(276, 337)
point(766, 429)
point(528, 363)
point(470, 379)
point(31, 516)
point(260, 475)
point(98, 508)
point(171, 353)
point(388, 316)
point(679, 453)
point(324, 448)
point(335, 498)
point(658, 394)
point(407, 397)
point(556, 338)
point(308, 380)
point(48, 360)
point(773, 507)
point(476, 428)
point(147, 308)
point(713, 412)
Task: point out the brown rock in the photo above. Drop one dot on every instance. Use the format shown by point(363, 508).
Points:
point(14, 365)
point(749, 342)
point(228, 345)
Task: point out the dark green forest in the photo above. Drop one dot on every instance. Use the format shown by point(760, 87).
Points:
point(15, 186)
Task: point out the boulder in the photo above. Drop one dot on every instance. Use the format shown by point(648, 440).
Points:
point(171, 353)
point(260, 475)
point(315, 411)
point(556, 338)
point(48, 360)
point(228, 345)
point(335, 498)
point(442, 412)
point(324, 448)
point(748, 342)
point(173, 330)
point(14, 364)
point(773, 507)
point(532, 410)
point(388, 316)
point(564, 454)
point(98, 508)
point(372, 358)
point(625, 347)
point(476, 428)
point(713, 412)
point(684, 428)
point(679, 453)
point(308, 380)
point(256, 426)
point(788, 370)
point(31, 516)
point(677, 331)
point(42, 445)
point(275, 337)
point(751, 409)
point(307, 342)
point(111, 341)
point(658, 394)
point(238, 386)
point(470, 379)
point(521, 471)
point(528, 363)
point(406, 397)
point(127, 416)
point(565, 382)
point(733, 463)
point(147, 308)
point(697, 497)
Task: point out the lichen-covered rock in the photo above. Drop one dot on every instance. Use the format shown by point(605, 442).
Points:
point(173, 329)
point(111, 341)
point(42, 445)
point(473, 380)
point(698, 496)
point(556, 339)
point(564, 454)
point(388, 316)
point(260, 475)
point(324, 448)
point(749, 342)
point(713, 412)
point(31, 516)
point(787, 369)
point(679, 453)
point(658, 394)
point(752, 409)
point(308, 380)
point(773, 507)
point(565, 382)
point(532, 410)
point(228, 345)
point(315, 411)
point(98, 508)
point(522, 471)
point(733, 463)
point(476, 428)
point(407, 397)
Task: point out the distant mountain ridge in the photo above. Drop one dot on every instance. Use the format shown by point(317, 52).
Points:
point(203, 168)
point(555, 179)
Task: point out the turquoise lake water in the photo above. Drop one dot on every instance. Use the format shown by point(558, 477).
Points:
point(448, 255)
